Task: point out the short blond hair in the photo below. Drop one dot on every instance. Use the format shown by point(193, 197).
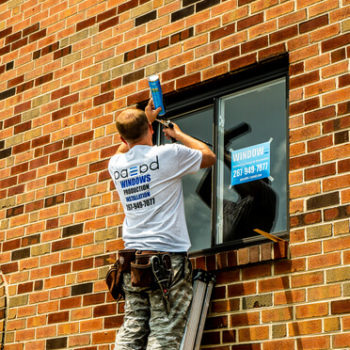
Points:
point(132, 124)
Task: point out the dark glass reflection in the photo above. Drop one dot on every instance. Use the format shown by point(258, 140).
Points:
point(198, 124)
point(251, 117)
point(246, 118)
point(255, 206)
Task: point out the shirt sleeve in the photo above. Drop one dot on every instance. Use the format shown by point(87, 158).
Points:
point(189, 160)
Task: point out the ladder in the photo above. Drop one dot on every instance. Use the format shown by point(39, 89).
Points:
point(203, 284)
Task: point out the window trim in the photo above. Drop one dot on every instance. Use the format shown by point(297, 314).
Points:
point(209, 93)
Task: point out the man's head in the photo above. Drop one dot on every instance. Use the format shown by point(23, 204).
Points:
point(132, 124)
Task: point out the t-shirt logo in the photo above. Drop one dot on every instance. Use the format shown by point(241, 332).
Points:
point(137, 170)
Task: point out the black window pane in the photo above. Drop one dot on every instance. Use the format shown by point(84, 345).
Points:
point(198, 124)
point(248, 118)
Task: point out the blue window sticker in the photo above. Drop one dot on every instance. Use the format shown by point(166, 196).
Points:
point(250, 163)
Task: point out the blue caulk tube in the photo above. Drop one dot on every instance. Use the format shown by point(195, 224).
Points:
point(156, 92)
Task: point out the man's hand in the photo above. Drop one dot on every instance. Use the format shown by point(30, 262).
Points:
point(173, 132)
point(152, 113)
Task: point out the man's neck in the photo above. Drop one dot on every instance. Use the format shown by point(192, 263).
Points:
point(143, 142)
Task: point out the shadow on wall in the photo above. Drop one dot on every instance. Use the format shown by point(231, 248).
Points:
point(3, 310)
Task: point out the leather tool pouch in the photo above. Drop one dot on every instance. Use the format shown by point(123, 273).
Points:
point(114, 276)
point(141, 271)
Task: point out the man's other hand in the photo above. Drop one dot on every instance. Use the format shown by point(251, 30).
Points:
point(151, 112)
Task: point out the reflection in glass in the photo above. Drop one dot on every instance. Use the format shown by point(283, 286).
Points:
point(198, 124)
point(245, 118)
point(250, 117)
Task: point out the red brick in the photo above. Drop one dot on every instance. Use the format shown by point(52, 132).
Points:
point(324, 113)
point(85, 24)
point(10, 245)
point(127, 5)
point(341, 340)
point(289, 297)
point(254, 45)
point(64, 112)
point(319, 342)
point(222, 32)
point(272, 51)
point(4, 33)
point(250, 21)
point(31, 29)
point(61, 269)
point(58, 317)
point(344, 166)
point(110, 85)
point(188, 80)
point(336, 42)
point(320, 171)
point(87, 136)
point(15, 81)
point(320, 143)
point(225, 306)
point(304, 161)
point(253, 333)
point(94, 299)
point(242, 62)
point(246, 319)
point(68, 100)
point(313, 24)
point(43, 79)
point(324, 292)
point(60, 93)
point(279, 344)
point(104, 98)
point(284, 34)
point(109, 23)
point(107, 14)
point(312, 310)
point(239, 289)
point(277, 314)
point(304, 79)
point(26, 86)
point(23, 107)
point(70, 303)
point(37, 35)
point(304, 106)
point(138, 97)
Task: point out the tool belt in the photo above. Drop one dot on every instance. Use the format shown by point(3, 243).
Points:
point(148, 269)
point(114, 276)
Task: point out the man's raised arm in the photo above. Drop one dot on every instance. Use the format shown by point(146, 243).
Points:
point(208, 156)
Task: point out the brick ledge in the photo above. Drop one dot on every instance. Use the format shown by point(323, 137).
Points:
point(242, 256)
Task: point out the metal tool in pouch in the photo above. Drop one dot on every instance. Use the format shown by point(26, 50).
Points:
point(156, 91)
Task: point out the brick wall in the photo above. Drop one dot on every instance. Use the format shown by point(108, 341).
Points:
point(67, 66)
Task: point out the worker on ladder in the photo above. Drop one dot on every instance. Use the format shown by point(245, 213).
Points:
point(154, 272)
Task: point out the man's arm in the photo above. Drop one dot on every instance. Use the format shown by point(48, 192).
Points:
point(208, 156)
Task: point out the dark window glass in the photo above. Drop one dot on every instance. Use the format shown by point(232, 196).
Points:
point(198, 124)
point(249, 118)
point(225, 204)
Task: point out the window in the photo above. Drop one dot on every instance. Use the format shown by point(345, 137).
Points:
point(244, 119)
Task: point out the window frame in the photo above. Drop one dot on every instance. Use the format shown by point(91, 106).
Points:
point(207, 94)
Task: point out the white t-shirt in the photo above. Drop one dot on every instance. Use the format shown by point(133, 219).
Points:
point(148, 181)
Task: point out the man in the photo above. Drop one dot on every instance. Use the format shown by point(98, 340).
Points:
point(148, 181)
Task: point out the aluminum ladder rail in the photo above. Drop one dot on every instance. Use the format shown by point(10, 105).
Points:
point(203, 284)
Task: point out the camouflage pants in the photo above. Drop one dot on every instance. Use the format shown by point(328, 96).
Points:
point(146, 323)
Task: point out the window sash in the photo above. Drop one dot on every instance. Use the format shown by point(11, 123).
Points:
point(210, 95)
